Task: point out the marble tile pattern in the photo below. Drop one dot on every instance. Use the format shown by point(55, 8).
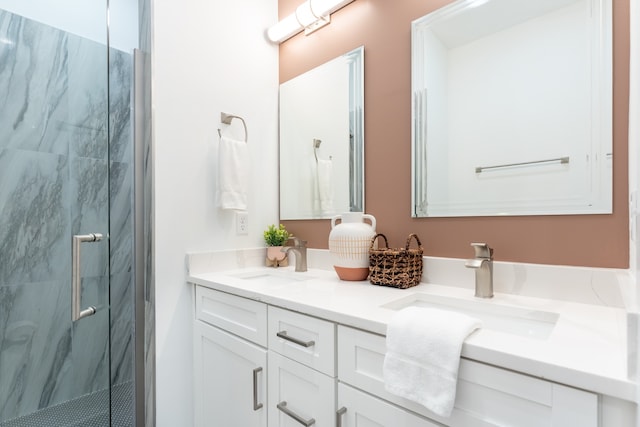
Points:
point(65, 168)
point(121, 217)
point(144, 24)
point(149, 277)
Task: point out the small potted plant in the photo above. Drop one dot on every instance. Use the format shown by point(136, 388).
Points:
point(275, 238)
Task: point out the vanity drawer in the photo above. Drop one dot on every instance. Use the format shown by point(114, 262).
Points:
point(298, 394)
point(240, 316)
point(485, 395)
point(358, 408)
point(303, 338)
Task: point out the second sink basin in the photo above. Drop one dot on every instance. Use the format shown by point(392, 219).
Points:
point(524, 322)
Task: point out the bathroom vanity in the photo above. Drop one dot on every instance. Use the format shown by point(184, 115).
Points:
point(273, 347)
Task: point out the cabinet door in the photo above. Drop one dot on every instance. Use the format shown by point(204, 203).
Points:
point(363, 410)
point(299, 395)
point(230, 379)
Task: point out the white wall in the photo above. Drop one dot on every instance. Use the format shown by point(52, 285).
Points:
point(208, 57)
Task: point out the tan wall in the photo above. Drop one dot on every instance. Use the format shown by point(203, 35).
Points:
point(383, 27)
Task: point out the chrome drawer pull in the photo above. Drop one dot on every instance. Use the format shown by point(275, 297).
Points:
point(283, 335)
point(339, 414)
point(283, 407)
point(256, 405)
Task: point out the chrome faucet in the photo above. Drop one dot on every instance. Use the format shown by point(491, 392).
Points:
point(483, 264)
point(300, 249)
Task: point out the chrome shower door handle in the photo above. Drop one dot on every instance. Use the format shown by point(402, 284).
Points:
point(76, 282)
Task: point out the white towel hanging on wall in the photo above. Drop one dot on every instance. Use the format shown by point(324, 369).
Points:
point(233, 174)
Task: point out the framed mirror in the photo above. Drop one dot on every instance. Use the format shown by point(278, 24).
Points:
point(322, 140)
point(512, 108)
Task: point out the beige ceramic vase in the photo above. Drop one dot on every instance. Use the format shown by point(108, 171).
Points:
point(349, 242)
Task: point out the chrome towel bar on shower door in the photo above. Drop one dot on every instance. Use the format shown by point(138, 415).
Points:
point(76, 280)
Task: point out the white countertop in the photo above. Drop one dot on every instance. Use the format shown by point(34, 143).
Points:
point(587, 348)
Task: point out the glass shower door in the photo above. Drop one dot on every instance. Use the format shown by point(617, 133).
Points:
point(54, 184)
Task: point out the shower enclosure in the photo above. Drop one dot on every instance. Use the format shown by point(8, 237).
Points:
point(75, 287)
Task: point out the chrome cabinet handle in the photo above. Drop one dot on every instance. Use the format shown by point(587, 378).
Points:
point(283, 335)
point(256, 405)
point(283, 407)
point(76, 282)
point(339, 414)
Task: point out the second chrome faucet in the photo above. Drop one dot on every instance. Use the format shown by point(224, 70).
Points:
point(483, 265)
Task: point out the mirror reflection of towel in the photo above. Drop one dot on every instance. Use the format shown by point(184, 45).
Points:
point(324, 182)
point(233, 174)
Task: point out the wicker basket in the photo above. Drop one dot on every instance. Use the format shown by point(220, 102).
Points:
point(399, 268)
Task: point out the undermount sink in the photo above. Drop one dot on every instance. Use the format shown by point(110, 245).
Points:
point(273, 276)
point(524, 322)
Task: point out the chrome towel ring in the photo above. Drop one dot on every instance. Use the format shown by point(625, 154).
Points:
point(226, 119)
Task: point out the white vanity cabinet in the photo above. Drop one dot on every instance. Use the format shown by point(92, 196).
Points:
point(485, 395)
point(260, 365)
point(230, 369)
point(254, 372)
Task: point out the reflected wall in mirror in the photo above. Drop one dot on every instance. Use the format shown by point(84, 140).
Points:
point(512, 108)
point(322, 140)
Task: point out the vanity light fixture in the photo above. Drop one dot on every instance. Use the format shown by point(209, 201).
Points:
point(309, 16)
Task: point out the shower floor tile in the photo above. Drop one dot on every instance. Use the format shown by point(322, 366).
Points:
point(90, 410)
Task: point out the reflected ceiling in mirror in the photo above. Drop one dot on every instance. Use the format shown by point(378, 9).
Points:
point(512, 108)
point(322, 140)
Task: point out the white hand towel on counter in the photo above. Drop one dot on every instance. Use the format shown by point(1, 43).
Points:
point(233, 174)
point(423, 355)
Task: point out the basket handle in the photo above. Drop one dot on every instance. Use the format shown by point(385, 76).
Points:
point(373, 240)
point(409, 241)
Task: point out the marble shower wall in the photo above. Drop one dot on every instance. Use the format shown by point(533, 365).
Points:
point(149, 349)
point(57, 177)
point(121, 217)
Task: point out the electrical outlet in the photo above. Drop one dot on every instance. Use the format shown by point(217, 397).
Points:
point(242, 223)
